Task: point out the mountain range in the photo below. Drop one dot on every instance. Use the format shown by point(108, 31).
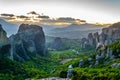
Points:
point(75, 31)
point(72, 31)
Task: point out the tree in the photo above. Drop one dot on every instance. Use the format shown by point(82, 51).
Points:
point(115, 47)
point(4, 50)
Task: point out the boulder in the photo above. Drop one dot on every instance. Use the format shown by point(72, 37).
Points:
point(81, 63)
point(115, 65)
point(90, 60)
point(98, 57)
point(96, 62)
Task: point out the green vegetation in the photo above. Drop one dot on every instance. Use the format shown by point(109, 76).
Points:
point(63, 43)
point(13, 70)
point(38, 67)
point(96, 74)
point(56, 64)
point(63, 54)
point(115, 47)
point(4, 51)
point(10, 70)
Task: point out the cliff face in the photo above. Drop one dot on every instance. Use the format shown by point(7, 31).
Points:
point(4, 46)
point(101, 42)
point(3, 37)
point(29, 41)
point(108, 35)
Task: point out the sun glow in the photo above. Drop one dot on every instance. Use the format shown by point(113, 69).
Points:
point(91, 11)
point(30, 17)
point(33, 17)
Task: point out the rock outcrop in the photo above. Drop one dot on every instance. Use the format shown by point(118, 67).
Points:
point(115, 65)
point(29, 41)
point(57, 44)
point(3, 37)
point(101, 41)
point(108, 35)
point(4, 43)
point(81, 63)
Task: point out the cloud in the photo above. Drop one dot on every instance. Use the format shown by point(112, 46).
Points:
point(72, 8)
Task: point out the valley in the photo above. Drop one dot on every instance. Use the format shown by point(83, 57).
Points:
point(39, 52)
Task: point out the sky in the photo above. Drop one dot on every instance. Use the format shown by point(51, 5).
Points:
point(102, 11)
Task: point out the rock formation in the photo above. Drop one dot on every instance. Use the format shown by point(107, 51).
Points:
point(57, 44)
point(81, 63)
point(29, 41)
point(101, 41)
point(3, 37)
point(108, 35)
point(115, 65)
point(4, 45)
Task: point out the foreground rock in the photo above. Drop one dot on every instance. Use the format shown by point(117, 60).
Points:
point(115, 65)
point(29, 41)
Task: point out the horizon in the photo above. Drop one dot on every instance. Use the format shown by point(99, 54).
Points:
point(104, 11)
point(55, 18)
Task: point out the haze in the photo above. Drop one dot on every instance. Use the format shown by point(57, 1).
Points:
point(102, 11)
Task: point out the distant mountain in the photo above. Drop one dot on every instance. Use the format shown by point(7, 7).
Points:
point(75, 31)
point(115, 25)
point(82, 27)
point(48, 28)
point(10, 28)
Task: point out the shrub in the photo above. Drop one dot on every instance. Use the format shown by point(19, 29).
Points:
point(63, 74)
